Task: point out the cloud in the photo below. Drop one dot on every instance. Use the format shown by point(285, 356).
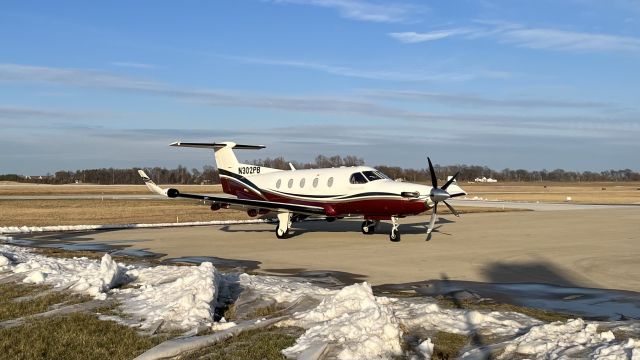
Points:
point(532, 38)
point(445, 123)
point(385, 75)
point(414, 37)
point(569, 40)
point(135, 65)
point(361, 10)
point(477, 100)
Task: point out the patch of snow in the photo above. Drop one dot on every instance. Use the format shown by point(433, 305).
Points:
point(621, 350)
point(219, 326)
point(4, 261)
point(428, 315)
point(57, 228)
point(36, 277)
point(181, 296)
point(352, 319)
point(78, 274)
point(572, 339)
point(184, 299)
point(426, 349)
point(283, 290)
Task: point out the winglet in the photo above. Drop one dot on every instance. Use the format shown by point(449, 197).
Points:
point(151, 185)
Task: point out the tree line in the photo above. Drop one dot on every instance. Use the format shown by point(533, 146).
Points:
point(209, 175)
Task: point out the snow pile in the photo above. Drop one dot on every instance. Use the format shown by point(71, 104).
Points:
point(283, 290)
point(430, 316)
point(572, 339)
point(426, 349)
point(178, 296)
point(4, 262)
point(78, 274)
point(31, 229)
point(621, 350)
point(362, 326)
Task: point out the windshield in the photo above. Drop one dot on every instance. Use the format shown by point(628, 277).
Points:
point(374, 175)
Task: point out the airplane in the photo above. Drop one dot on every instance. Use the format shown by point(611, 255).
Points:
point(331, 193)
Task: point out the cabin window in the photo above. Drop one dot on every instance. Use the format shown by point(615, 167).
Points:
point(315, 182)
point(357, 178)
point(302, 181)
point(372, 175)
point(330, 182)
point(290, 184)
point(278, 183)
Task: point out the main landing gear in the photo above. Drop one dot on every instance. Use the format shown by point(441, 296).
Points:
point(284, 224)
point(395, 234)
point(369, 226)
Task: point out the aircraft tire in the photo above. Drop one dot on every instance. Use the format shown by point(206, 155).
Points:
point(367, 228)
point(284, 234)
point(394, 236)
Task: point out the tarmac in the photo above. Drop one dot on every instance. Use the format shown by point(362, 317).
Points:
point(592, 247)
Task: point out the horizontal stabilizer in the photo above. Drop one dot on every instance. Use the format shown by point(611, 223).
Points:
point(217, 145)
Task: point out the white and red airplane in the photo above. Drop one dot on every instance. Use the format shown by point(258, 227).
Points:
point(332, 193)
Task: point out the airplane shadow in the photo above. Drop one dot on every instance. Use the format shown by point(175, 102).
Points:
point(340, 226)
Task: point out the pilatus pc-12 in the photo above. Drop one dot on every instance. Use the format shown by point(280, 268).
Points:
point(332, 193)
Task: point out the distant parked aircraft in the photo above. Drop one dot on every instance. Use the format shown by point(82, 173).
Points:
point(333, 193)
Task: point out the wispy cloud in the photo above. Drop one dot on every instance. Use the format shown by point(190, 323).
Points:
point(385, 75)
point(532, 38)
point(478, 100)
point(135, 65)
point(448, 122)
point(414, 37)
point(361, 10)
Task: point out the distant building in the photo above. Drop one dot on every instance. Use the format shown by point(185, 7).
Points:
point(37, 177)
point(485, 180)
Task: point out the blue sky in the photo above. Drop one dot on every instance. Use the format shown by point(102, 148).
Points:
point(518, 84)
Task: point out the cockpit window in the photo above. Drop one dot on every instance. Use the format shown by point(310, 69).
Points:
point(371, 175)
point(357, 178)
point(374, 175)
point(382, 175)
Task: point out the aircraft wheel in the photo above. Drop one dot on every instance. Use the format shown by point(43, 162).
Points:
point(368, 228)
point(394, 236)
point(281, 234)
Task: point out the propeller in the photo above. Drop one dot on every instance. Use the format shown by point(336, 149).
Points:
point(439, 194)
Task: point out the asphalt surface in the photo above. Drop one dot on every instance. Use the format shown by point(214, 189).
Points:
point(592, 247)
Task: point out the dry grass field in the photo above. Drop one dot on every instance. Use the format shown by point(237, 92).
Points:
point(84, 211)
point(96, 212)
point(580, 193)
point(82, 189)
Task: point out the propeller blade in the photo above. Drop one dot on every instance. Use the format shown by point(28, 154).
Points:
point(434, 180)
point(453, 211)
point(433, 218)
point(456, 195)
point(453, 178)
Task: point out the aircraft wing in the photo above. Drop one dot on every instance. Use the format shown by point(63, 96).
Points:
point(245, 203)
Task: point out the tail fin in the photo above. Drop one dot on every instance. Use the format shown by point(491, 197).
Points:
point(226, 159)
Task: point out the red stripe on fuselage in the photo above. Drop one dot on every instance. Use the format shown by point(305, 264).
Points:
point(376, 207)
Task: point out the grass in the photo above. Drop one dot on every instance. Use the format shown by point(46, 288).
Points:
point(256, 344)
point(97, 212)
point(540, 314)
point(447, 345)
point(87, 189)
point(76, 336)
point(11, 309)
point(580, 192)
